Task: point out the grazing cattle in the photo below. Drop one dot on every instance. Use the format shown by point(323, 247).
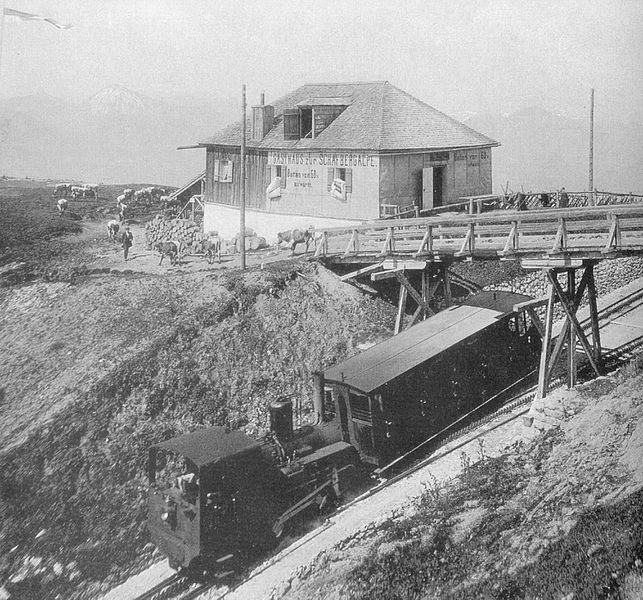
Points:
point(112, 229)
point(296, 236)
point(168, 249)
point(212, 248)
point(62, 189)
point(84, 191)
point(62, 206)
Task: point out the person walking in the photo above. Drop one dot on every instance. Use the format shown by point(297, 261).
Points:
point(127, 239)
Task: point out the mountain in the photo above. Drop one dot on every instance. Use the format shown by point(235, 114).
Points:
point(113, 135)
point(118, 134)
point(542, 149)
point(117, 101)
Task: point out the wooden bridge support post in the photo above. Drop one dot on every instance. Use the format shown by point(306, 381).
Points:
point(571, 332)
point(571, 342)
point(448, 300)
point(401, 306)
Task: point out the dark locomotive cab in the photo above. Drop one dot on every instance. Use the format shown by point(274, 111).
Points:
point(213, 495)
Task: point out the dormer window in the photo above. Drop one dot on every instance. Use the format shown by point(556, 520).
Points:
point(312, 116)
point(306, 123)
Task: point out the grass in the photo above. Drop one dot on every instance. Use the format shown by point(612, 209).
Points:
point(425, 558)
point(81, 478)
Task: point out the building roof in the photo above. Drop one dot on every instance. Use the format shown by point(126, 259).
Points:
point(382, 363)
point(378, 116)
point(209, 445)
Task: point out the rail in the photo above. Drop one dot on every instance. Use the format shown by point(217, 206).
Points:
point(598, 230)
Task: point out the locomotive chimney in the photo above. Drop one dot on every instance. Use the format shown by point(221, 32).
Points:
point(281, 419)
point(318, 395)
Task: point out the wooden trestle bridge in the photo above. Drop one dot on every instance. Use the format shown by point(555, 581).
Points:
point(565, 244)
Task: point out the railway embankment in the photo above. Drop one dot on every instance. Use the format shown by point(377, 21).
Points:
point(555, 516)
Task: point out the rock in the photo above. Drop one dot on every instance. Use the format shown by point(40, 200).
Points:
point(58, 569)
point(4, 594)
point(595, 549)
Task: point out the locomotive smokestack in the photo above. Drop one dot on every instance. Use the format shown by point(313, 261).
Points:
point(281, 419)
point(318, 395)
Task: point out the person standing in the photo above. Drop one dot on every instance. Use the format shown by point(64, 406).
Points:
point(126, 239)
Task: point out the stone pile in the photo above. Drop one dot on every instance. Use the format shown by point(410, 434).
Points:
point(187, 233)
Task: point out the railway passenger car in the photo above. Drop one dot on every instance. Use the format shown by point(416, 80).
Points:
point(216, 495)
point(400, 392)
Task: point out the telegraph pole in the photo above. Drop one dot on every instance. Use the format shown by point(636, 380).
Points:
point(591, 150)
point(242, 180)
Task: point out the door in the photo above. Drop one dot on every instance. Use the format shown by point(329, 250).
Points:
point(427, 187)
point(432, 187)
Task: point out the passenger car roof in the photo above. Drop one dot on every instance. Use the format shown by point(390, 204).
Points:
point(209, 445)
point(380, 364)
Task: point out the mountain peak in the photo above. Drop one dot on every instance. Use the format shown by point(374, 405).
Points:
point(117, 100)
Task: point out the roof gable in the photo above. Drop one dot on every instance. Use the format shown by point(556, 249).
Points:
point(378, 116)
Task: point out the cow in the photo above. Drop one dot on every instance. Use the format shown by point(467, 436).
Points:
point(82, 191)
point(212, 248)
point(62, 189)
point(112, 229)
point(167, 249)
point(62, 206)
point(296, 236)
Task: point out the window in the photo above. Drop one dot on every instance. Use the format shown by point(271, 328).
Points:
point(282, 172)
point(222, 171)
point(329, 405)
point(340, 182)
point(360, 407)
point(306, 123)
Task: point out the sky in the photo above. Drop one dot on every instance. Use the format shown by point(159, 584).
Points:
point(459, 56)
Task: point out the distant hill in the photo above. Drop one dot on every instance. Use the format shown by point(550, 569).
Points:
point(118, 135)
point(114, 135)
point(543, 150)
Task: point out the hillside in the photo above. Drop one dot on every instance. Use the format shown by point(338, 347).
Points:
point(99, 361)
point(559, 516)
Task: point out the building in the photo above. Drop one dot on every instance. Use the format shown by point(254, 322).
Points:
point(336, 154)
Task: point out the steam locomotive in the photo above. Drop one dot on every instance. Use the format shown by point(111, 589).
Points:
point(216, 495)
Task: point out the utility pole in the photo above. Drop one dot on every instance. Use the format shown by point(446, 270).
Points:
point(591, 150)
point(242, 180)
point(1, 31)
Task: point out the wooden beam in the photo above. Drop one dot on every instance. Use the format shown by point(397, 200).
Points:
point(564, 332)
point(593, 315)
point(543, 372)
point(427, 241)
point(448, 300)
point(411, 290)
point(513, 240)
point(468, 245)
point(353, 244)
point(385, 274)
point(389, 243)
point(560, 243)
point(571, 343)
point(568, 308)
point(614, 236)
point(535, 319)
point(520, 306)
point(361, 271)
point(401, 305)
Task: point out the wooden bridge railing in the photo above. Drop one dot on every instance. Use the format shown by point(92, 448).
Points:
point(595, 229)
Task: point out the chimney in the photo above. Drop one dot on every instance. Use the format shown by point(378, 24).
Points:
point(263, 118)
